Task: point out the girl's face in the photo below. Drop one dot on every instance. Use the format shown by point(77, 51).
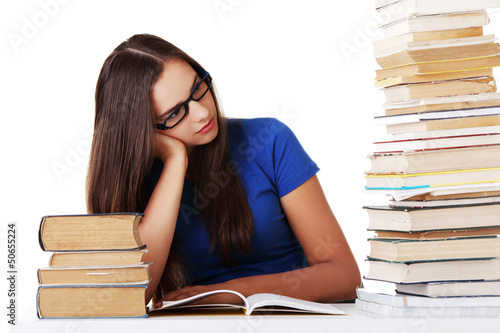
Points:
point(174, 86)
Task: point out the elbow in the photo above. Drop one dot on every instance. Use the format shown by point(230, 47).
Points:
point(355, 280)
point(340, 279)
point(354, 283)
point(346, 283)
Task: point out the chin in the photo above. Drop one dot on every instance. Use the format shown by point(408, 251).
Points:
point(213, 135)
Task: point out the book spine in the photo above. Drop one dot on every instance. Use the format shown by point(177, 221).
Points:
point(38, 304)
point(40, 241)
point(50, 259)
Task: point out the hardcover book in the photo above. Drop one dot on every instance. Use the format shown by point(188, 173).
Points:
point(440, 202)
point(397, 10)
point(90, 232)
point(433, 218)
point(444, 311)
point(435, 160)
point(452, 289)
point(438, 234)
point(434, 271)
point(444, 124)
point(431, 179)
point(465, 86)
point(401, 300)
point(435, 67)
point(414, 250)
point(96, 258)
point(442, 26)
point(443, 114)
point(466, 141)
point(104, 301)
point(439, 50)
point(94, 275)
point(433, 77)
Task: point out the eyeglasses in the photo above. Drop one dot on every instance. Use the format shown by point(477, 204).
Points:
point(199, 91)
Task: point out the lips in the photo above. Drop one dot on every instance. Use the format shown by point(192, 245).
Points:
point(207, 127)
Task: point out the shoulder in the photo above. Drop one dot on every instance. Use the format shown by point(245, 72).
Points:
point(252, 139)
point(268, 145)
point(263, 138)
point(256, 127)
point(250, 124)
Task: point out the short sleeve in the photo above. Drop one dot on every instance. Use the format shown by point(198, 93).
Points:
point(292, 165)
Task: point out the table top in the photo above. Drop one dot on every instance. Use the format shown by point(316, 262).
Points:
point(235, 321)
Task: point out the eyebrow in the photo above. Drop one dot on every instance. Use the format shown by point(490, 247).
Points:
point(178, 104)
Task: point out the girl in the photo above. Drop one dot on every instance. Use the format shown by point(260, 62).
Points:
point(228, 204)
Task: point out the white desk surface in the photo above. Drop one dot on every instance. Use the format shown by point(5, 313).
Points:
point(353, 321)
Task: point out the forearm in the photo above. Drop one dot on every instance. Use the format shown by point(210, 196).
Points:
point(158, 224)
point(322, 282)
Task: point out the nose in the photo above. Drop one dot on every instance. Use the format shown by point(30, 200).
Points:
point(198, 112)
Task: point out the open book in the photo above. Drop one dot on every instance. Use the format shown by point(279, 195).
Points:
point(258, 302)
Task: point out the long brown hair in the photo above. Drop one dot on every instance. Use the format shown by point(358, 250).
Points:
point(122, 152)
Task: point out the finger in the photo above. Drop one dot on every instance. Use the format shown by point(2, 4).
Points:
point(172, 295)
point(159, 304)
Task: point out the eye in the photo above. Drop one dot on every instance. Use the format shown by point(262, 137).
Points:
point(174, 114)
point(200, 90)
point(197, 87)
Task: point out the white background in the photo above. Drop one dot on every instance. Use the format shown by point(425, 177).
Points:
point(307, 63)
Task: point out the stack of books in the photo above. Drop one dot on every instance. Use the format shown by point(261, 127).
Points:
point(96, 268)
point(437, 238)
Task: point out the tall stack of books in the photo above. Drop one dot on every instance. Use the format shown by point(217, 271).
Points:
point(437, 239)
point(96, 268)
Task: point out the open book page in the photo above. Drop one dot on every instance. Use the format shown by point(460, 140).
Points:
point(257, 302)
point(273, 302)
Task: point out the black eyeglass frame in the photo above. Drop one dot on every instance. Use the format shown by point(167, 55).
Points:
point(185, 104)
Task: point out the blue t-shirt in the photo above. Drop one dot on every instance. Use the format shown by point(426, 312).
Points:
point(270, 163)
